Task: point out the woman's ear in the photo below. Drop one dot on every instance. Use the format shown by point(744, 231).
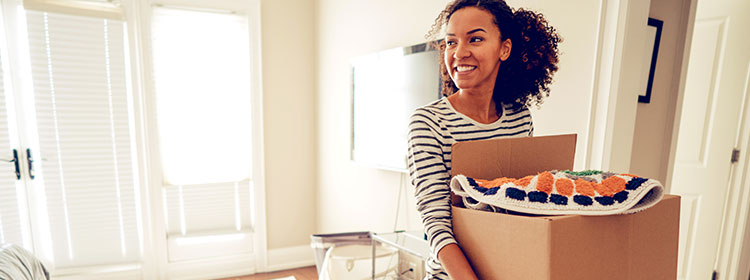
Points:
point(505, 48)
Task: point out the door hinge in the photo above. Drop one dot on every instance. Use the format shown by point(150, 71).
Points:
point(735, 155)
point(715, 275)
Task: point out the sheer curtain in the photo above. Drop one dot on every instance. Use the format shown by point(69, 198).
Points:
point(203, 100)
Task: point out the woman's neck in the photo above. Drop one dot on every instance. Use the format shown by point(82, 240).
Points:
point(478, 106)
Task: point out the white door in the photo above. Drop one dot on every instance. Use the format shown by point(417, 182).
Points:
point(713, 95)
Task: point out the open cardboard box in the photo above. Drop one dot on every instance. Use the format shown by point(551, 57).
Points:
point(504, 246)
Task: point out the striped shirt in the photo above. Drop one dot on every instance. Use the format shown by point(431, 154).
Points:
point(432, 130)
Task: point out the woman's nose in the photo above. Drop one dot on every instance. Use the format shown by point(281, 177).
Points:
point(462, 51)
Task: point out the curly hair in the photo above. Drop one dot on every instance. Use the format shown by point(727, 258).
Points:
point(524, 78)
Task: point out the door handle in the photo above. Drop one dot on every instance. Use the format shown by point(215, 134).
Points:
point(16, 163)
point(30, 161)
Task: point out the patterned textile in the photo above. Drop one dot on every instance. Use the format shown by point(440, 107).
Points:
point(18, 264)
point(588, 192)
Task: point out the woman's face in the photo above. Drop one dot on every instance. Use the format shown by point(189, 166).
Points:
point(473, 50)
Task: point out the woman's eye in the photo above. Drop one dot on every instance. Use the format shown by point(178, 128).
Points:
point(476, 39)
point(450, 43)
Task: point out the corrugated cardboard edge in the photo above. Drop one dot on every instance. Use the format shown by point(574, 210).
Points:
point(526, 156)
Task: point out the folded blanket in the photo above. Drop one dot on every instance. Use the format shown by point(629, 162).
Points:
point(16, 263)
point(588, 192)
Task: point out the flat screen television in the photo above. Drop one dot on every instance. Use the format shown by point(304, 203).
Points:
point(387, 87)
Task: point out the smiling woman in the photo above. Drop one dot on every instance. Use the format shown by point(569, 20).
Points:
point(495, 63)
point(472, 52)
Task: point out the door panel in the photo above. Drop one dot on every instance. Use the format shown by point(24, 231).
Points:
point(712, 99)
point(696, 127)
point(13, 219)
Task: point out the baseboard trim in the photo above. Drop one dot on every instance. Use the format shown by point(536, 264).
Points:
point(290, 257)
point(212, 268)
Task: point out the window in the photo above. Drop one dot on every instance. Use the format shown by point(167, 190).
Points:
point(201, 77)
point(203, 111)
point(83, 112)
point(79, 103)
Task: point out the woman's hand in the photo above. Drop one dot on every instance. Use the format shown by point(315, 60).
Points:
point(455, 264)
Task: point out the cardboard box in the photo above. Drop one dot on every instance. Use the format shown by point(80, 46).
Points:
point(502, 246)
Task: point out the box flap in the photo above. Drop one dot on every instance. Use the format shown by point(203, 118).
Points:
point(523, 156)
point(520, 157)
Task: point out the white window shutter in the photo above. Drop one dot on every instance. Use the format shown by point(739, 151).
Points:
point(12, 192)
point(79, 71)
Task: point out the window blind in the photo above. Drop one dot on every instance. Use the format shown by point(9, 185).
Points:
point(208, 208)
point(12, 192)
point(79, 74)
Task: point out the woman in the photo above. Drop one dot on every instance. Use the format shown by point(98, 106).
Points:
point(496, 63)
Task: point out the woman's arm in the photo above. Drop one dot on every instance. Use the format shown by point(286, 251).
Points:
point(455, 263)
point(430, 177)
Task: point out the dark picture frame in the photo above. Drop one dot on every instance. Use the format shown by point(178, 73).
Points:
point(657, 24)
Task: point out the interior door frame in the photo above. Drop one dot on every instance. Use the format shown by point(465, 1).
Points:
point(731, 261)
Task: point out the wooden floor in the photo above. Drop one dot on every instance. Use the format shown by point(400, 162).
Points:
point(302, 273)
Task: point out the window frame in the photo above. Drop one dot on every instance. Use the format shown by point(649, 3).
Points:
point(141, 13)
point(137, 17)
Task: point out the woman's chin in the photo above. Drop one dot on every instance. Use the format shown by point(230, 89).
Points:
point(465, 85)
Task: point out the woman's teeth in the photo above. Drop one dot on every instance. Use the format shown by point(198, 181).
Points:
point(465, 68)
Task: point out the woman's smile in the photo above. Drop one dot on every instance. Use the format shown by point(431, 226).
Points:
point(464, 69)
point(473, 49)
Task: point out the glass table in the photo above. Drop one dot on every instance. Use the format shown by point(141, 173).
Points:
point(412, 247)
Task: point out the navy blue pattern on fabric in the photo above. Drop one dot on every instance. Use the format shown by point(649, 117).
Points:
point(492, 191)
point(515, 193)
point(480, 189)
point(558, 199)
point(605, 200)
point(621, 196)
point(583, 200)
point(538, 197)
point(635, 183)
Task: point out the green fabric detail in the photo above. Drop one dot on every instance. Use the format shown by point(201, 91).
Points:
point(583, 173)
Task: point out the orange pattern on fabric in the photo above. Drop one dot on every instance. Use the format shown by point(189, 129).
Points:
point(630, 175)
point(481, 182)
point(494, 183)
point(614, 184)
point(523, 182)
point(564, 186)
point(602, 189)
point(544, 182)
point(584, 187)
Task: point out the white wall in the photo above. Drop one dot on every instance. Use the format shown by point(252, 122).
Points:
point(288, 59)
point(352, 197)
point(653, 131)
point(568, 107)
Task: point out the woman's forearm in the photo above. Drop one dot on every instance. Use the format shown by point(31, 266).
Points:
point(454, 262)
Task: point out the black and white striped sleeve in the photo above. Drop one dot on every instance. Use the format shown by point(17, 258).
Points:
point(531, 126)
point(430, 176)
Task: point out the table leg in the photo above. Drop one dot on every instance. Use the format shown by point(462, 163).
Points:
point(373, 259)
